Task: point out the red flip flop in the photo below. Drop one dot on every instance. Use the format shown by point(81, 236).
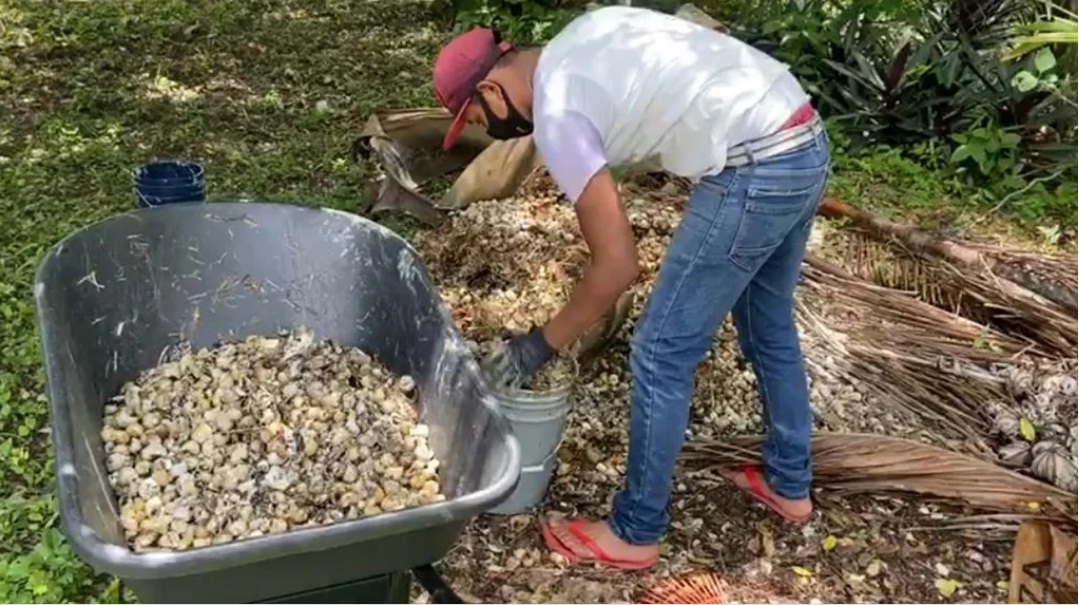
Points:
point(556, 545)
point(576, 528)
point(752, 473)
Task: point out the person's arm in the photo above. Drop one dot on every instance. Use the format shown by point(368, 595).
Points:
point(614, 266)
point(572, 149)
point(573, 152)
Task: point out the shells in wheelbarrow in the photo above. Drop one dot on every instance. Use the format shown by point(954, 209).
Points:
point(263, 436)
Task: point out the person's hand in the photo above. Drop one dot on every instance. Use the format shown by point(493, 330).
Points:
point(517, 359)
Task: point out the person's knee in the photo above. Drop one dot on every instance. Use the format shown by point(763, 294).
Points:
point(770, 330)
point(666, 354)
point(643, 354)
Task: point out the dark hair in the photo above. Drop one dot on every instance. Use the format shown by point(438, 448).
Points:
point(507, 58)
point(512, 55)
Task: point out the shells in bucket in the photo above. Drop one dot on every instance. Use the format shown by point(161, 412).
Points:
point(263, 436)
point(557, 374)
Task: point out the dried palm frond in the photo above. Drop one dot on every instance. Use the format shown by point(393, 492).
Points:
point(882, 263)
point(698, 587)
point(1015, 310)
point(873, 463)
point(908, 323)
point(982, 283)
point(1054, 277)
point(996, 294)
point(906, 352)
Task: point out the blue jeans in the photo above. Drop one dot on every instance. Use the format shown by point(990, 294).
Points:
point(738, 248)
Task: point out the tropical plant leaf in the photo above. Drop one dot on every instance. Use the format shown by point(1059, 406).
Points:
point(862, 79)
point(1043, 33)
point(961, 153)
point(1025, 81)
point(897, 69)
point(869, 71)
point(1044, 60)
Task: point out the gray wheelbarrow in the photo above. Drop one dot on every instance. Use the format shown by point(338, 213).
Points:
point(114, 295)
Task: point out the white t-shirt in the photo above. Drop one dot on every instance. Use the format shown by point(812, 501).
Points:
point(643, 90)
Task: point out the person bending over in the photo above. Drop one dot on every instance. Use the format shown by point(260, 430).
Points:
point(638, 89)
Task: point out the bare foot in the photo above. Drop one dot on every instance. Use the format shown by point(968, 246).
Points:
point(594, 541)
point(752, 480)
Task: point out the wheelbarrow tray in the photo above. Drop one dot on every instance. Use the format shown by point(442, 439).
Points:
point(113, 296)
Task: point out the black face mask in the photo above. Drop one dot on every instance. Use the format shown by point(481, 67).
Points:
point(515, 125)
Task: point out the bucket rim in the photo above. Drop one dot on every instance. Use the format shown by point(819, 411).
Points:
point(145, 203)
point(197, 171)
point(169, 186)
point(200, 193)
point(150, 199)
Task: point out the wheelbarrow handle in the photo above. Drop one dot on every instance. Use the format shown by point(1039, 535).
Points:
point(435, 585)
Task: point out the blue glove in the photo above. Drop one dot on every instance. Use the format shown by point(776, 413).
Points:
point(517, 359)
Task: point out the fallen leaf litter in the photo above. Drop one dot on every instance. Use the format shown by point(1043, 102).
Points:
point(263, 436)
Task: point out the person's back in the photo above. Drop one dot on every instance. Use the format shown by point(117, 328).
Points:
point(663, 92)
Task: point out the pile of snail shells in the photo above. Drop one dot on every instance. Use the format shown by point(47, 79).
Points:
point(263, 436)
point(726, 395)
point(489, 292)
point(1037, 426)
point(517, 237)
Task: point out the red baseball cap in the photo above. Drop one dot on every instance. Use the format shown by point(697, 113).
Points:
point(460, 66)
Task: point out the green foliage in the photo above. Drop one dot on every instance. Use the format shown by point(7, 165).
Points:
point(265, 94)
point(1037, 35)
point(899, 82)
point(1043, 76)
point(49, 573)
point(523, 22)
point(892, 181)
point(927, 78)
point(1045, 208)
point(920, 183)
point(994, 151)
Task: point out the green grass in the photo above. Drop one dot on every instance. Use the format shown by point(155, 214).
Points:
point(268, 94)
point(920, 186)
point(896, 187)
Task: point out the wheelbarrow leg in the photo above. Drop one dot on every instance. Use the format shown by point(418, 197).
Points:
point(435, 585)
